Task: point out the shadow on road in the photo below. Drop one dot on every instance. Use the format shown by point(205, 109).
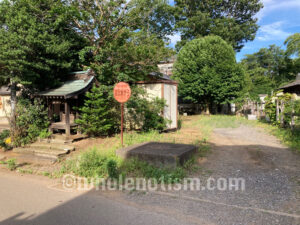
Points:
point(271, 175)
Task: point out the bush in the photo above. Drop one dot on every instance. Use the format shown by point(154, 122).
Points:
point(92, 163)
point(98, 115)
point(292, 109)
point(144, 112)
point(270, 109)
point(31, 121)
point(4, 140)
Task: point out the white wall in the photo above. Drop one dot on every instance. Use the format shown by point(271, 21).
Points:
point(5, 108)
point(170, 95)
point(153, 90)
point(170, 110)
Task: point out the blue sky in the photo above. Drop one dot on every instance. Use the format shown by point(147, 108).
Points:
point(277, 20)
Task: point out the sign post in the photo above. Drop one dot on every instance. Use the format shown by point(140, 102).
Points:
point(122, 94)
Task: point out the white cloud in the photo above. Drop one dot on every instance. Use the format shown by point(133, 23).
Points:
point(273, 31)
point(174, 39)
point(271, 5)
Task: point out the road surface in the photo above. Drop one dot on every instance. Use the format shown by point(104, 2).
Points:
point(271, 197)
point(29, 200)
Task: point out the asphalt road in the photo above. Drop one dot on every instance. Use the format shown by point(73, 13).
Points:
point(32, 200)
point(271, 195)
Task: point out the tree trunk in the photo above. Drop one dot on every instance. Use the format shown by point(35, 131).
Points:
point(13, 105)
point(207, 110)
point(277, 110)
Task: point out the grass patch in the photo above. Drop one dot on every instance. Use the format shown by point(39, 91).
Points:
point(105, 164)
point(137, 168)
point(285, 135)
point(206, 124)
point(25, 171)
point(11, 163)
point(101, 161)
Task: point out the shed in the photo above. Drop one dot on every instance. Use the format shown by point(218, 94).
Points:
point(61, 100)
point(162, 86)
point(5, 107)
point(293, 87)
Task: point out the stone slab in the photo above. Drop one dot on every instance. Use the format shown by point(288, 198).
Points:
point(252, 117)
point(159, 154)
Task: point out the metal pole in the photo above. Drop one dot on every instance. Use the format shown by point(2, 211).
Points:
point(122, 118)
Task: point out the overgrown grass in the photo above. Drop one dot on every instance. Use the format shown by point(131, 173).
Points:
point(101, 161)
point(206, 124)
point(105, 164)
point(289, 137)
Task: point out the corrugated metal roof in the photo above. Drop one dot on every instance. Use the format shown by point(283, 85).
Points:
point(295, 83)
point(69, 88)
point(158, 75)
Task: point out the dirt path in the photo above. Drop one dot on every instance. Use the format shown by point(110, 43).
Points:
point(272, 178)
point(271, 171)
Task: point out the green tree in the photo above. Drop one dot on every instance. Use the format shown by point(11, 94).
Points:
point(207, 71)
point(234, 20)
point(98, 115)
point(125, 37)
point(32, 121)
point(268, 69)
point(293, 45)
point(37, 44)
point(293, 52)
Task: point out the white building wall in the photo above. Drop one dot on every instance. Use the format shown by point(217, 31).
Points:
point(170, 110)
point(153, 90)
point(169, 93)
point(5, 108)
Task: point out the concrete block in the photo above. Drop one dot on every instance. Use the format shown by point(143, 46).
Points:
point(159, 154)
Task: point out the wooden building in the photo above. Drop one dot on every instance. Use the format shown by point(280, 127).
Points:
point(62, 100)
point(293, 87)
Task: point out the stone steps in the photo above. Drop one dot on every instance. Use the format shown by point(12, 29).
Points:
point(46, 149)
point(62, 139)
point(52, 146)
point(53, 154)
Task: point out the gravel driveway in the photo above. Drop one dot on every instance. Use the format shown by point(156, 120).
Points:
point(272, 177)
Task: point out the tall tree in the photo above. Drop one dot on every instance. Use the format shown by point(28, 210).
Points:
point(293, 52)
point(268, 68)
point(125, 37)
point(233, 20)
point(293, 45)
point(37, 44)
point(207, 72)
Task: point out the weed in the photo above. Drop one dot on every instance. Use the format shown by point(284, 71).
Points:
point(112, 169)
point(46, 174)
point(25, 171)
point(11, 164)
point(289, 137)
point(102, 161)
point(137, 168)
